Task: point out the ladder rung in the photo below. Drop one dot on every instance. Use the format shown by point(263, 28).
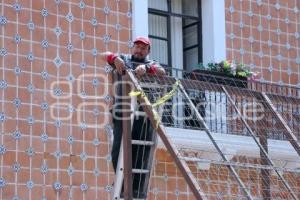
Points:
point(140, 171)
point(140, 113)
point(140, 142)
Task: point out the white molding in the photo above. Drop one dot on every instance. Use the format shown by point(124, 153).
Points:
point(232, 145)
point(213, 30)
point(140, 18)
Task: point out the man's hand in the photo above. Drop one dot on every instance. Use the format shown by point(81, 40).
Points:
point(140, 70)
point(120, 65)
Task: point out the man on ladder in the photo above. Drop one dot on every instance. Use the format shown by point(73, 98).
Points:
point(141, 129)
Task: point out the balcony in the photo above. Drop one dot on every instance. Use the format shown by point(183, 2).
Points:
point(243, 125)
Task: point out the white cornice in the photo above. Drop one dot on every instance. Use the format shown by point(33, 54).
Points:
point(281, 152)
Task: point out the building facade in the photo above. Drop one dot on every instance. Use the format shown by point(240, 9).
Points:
point(56, 128)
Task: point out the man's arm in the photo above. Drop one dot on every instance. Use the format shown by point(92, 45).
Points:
point(160, 70)
point(113, 60)
point(155, 68)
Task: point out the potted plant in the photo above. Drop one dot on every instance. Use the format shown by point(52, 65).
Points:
point(224, 73)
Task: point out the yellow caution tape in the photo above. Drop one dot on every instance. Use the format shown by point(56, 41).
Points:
point(168, 96)
point(135, 93)
point(158, 102)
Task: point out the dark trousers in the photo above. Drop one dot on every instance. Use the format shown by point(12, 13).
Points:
point(141, 130)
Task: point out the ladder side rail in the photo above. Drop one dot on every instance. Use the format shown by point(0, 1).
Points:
point(119, 177)
point(127, 147)
point(182, 165)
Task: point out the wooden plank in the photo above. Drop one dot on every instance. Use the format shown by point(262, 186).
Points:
point(127, 148)
point(184, 169)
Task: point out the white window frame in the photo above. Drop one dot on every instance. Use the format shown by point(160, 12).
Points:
point(213, 27)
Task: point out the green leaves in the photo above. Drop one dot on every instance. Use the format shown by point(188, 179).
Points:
point(227, 68)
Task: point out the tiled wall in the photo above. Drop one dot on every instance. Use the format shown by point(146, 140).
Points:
point(55, 93)
point(265, 35)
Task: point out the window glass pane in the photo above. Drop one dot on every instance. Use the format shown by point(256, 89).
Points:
point(176, 6)
point(190, 36)
point(191, 59)
point(157, 25)
point(159, 50)
point(185, 7)
point(190, 7)
point(158, 4)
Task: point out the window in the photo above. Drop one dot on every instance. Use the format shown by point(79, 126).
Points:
point(175, 31)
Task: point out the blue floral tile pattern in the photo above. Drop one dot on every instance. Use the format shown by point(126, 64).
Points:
point(57, 154)
point(57, 186)
point(70, 48)
point(81, 5)
point(70, 139)
point(31, 26)
point(83, 156)
point(30, 152)
point(44, 137)
point(44, 106)
point(95, 82)
point(2, 117)
point(17, 7)
point(96, 172)
point(2, 182)
point(58, 61)
point(17, 135)
point(30, 120)
point(30, 184)
point(83, 65)
point(69, 17)
point(30, 57)
point(17, 70)
point(82, 35)
point(17, 102)
point(44, 12)
point(3, 20)
point(31, 88)
point(45, 75)
point(70, 170)
point(3, 52)
point(106, 10)
point(45, 43)
point(44, 168)
point(94, 21)
point(16, 167)
point(3, 84)
point(84, 187)
point(2, 149)
point(57, 31)
point(96, 142)
point(17, 38)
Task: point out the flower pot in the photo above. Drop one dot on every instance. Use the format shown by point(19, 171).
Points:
point(218, 78)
